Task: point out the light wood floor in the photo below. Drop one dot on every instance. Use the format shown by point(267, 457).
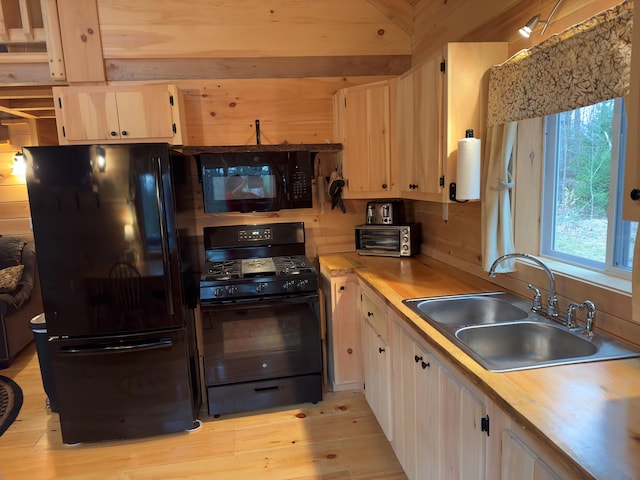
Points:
point(338, 438)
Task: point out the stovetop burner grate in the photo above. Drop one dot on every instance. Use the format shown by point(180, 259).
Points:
point(256, 261)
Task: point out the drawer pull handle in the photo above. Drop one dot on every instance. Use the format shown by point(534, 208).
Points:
point(266, 389)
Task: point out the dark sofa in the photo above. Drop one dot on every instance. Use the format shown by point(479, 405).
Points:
point(20, 304)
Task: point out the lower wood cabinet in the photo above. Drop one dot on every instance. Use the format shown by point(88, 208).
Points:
point(416, 405)
point(343, 332)
point(438, 421)
point(376, 353)
point(439, 424)
point(519, 461)
point(377, 376)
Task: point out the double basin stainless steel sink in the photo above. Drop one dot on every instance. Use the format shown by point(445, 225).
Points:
point(501, 332)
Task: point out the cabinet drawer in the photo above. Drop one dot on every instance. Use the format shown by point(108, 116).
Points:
point(375, 314)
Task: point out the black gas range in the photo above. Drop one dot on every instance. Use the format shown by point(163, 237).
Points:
point(245, 263)
point(261, 330)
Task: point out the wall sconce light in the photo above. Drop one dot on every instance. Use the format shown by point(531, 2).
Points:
point(533, 22)
point(19, 164)
point(528, 28)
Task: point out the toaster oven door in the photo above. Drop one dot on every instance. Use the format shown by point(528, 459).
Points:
point(378, 240)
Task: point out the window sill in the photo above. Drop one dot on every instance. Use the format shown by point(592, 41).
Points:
point(584, 275)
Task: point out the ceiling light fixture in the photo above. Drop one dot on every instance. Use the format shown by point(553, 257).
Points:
point(531, 24)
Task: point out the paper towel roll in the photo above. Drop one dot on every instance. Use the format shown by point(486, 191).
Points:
point(468, 169)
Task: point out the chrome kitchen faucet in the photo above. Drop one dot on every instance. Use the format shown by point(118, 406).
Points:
point(551, 310)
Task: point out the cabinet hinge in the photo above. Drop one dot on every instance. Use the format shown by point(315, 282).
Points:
point(442, 181)
point(484, 424)
point(443, 66)
point(171, 100)
point(174, 128)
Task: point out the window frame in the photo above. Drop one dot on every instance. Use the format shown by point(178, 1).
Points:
point(615, 225)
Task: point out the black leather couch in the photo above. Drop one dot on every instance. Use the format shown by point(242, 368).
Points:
point(18, 306)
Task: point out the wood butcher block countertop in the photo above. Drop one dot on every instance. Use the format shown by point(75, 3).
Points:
point(587, 415)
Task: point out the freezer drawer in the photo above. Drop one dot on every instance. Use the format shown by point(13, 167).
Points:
point(124, 387)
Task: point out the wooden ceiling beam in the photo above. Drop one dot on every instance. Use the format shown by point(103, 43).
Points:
point(26, 92)
point(17, 113)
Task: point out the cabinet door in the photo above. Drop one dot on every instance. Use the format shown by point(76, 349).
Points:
point(90, 115)
point(463, 441)
point(631, 208)
point(365, 124)
point(420, 117)
point(518, 461)
point(345, 335)
point(377, 373)
point(145, 113)
point(416, 401)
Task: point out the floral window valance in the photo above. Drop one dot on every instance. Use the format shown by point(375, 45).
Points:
point(583, 65)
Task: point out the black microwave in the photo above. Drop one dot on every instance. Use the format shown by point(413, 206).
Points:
point(256, 182)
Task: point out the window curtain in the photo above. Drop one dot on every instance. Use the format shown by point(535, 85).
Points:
point(496, 207)
point(584, 65)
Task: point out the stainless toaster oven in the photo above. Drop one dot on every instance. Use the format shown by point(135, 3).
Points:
point(388, 240)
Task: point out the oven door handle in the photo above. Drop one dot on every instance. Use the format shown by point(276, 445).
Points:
point(88, 349)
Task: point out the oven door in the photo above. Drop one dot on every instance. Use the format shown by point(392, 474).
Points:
point(261, 340)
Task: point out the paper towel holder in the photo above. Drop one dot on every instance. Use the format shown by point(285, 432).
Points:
point(452, 185)
point(452, 193)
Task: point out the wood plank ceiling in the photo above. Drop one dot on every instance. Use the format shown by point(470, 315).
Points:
point(34, 100)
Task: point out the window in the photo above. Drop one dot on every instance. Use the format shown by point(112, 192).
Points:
point(582, 189)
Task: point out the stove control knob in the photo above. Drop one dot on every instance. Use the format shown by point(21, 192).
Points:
point(232, 290)
point(302, 284)
point(218, 292)
point(260, 288)
point(288, 285)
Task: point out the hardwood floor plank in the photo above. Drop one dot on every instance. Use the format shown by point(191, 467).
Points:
point(338, 438)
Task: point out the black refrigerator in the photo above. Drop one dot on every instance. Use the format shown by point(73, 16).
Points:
point(115, 288)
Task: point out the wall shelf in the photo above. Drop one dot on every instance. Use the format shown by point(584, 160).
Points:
point(282, 147)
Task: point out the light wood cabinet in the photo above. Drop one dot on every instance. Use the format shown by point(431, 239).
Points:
point(631, 208)
point(519, 461)
point(376, 353)
point(363, 118)
point(439, 422)
point(438, 101)
point(416, 402)
point(343, 332)
point(141, 113)
point(420, 103)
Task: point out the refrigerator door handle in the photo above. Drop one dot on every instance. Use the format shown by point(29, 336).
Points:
point(166, 259)
point(116, 348)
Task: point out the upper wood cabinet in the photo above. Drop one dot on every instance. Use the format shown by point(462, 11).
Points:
point(363, 118)
point(631, 205)
point(438, 101)
point(141, 113)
